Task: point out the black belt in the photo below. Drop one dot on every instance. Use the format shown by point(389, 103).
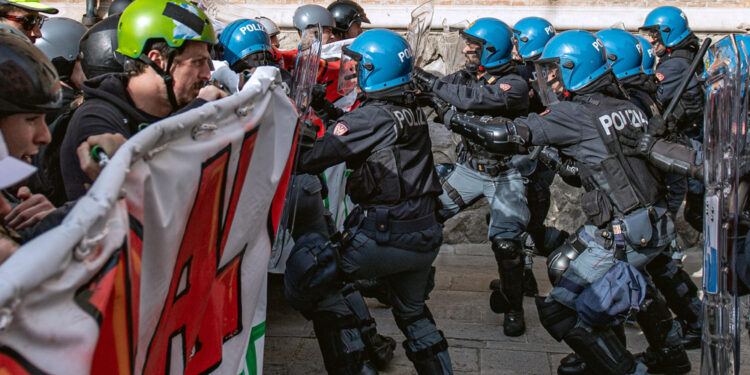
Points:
point(492, 168)
point(377, 220)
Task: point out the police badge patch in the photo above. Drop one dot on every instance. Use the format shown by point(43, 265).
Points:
point(660, 77)
point(505, 86)
point(340, 129)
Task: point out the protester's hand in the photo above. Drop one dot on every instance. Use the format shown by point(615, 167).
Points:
point(109, 142)
point(32, 209)
point(210, 93)
point(7, 247)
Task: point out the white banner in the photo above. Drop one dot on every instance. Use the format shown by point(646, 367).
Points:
point(161, 267)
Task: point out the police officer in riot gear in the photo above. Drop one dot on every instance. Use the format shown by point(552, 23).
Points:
point(393, 234)
point(624, 204)
point(271, 28)
point(532, 34)
point(489, 85)
point(311, 15)
point(675, 44)
point(349, 18)
point(245, 45)
point(675, 284)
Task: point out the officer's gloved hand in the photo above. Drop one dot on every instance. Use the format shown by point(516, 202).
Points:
point(657, 126)
point(424, 80)
point(318, 97)
point(307, 135)
point(441, 109)
point(634, 141)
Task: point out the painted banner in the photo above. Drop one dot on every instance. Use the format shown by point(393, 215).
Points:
point(161, 267)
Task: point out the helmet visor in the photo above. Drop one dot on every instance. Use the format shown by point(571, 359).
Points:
point(651, 33)
point(549, 80)
point(348, 71)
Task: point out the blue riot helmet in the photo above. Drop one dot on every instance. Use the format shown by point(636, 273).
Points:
point(376, 60)
point(245, 44)
point(570, 61)
point(668, 25)
point(623, 52)
point(496, 40)
point(649, 55)
point(533, 34)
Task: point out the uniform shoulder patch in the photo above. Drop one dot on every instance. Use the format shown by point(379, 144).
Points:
point(546, 111)
point(505, 86)
point(340, 129)
point(660, 77)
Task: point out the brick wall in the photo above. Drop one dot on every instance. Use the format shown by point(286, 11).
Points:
point(706, 16)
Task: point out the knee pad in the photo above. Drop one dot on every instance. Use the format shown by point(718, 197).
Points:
point(557, 319)
point(677, 287)
point(508, 252)
point(559, 260)
point(311, 271)
point(404, 323)
point(602, 350)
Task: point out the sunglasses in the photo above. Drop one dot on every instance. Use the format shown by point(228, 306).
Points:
point(28, 22)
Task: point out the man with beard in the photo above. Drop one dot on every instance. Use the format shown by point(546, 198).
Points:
point(166, 68)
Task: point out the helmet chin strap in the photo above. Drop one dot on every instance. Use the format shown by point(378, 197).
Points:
point(165, 76)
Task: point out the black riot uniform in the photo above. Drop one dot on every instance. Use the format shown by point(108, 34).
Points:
point(621, 192)
point(393, 234)
point(679, 290)
point(496, 91)
point(688, 114)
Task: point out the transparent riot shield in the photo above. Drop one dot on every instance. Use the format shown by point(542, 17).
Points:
point(452, 45)
point(419, 27)
point(723, 112)
point(304, 77)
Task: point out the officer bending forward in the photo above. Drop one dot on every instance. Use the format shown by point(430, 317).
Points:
point(393, 233)
point(624, 203)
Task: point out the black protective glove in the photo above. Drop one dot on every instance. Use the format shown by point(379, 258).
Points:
point(424, 80)
point(441, 109)
point(657, 127)
point(634, 141)
point(318, 98)
point(308, 133)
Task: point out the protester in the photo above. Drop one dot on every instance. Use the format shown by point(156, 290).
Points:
point(24, 16)
point(164, 74)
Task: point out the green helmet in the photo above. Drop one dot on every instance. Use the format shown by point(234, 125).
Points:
point(174, 21)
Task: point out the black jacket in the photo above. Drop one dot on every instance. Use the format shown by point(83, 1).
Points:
point(107, 108)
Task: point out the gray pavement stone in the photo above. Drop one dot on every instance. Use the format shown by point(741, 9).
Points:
point(461, 308)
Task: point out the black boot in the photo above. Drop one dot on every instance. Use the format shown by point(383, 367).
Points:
point(508, 254)
point(334, 345)
point(572, 364)
point(691, 335)
point(665, 354)
point(380, 350)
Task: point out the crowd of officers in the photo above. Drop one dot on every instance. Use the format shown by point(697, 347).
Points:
point(529, 104)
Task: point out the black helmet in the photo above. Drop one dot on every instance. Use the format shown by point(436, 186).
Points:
point(118, 6)
point(98, 48)
point(28, 81)
point(346, 12)
point(59, 42)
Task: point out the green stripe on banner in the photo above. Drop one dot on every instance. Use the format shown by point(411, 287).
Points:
point(251, 358)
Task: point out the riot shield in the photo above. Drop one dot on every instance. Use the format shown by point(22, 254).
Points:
point(452, 45)
point(304, 77)
point(723, 120)
point(419, 27)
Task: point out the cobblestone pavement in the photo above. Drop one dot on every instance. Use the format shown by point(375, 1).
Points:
point(460, 305)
